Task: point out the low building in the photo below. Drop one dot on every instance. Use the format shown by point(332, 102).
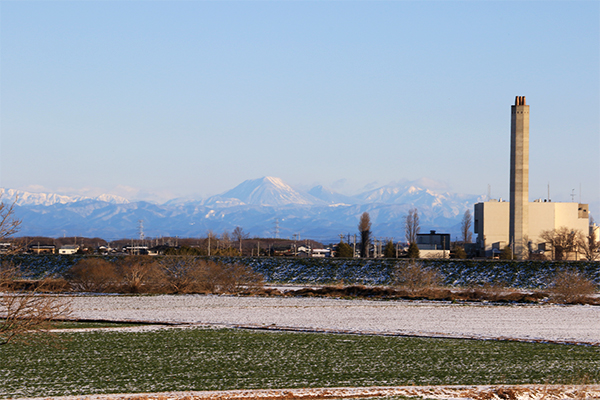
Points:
point(433, 241)
point(42, 248)
point(136, 250)
point(5, 248)
point(492, 220)
point(321, 253)
point(68, 249)
point(433, 245)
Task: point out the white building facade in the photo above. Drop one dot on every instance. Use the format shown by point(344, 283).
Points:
point(492, 223)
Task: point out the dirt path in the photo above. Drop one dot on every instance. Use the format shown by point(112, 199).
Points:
point(521, 392)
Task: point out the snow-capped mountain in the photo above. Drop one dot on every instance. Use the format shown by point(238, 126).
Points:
point(266, 191)
point(256, 205)
point(330, 197)
point(48, 199)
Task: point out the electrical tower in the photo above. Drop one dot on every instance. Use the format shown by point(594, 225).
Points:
point(276, 228)
point(141, 229)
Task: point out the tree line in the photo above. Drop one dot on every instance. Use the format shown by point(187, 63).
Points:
point(412, 228)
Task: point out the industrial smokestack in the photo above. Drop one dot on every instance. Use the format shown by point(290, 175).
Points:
point(519, 177)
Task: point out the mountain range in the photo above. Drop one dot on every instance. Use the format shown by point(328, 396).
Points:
point(265, 207)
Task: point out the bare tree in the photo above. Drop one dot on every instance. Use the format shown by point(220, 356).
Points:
point(563, 241)
point(226, 239)
point(27, 314)
point(212, 240)
point(23, 314)
point(465, 227)
point(239, 235)
point(590, 247)
point(364, 227)
point(411, 225)
point(9, 225)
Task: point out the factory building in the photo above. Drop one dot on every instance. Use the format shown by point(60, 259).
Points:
point(491, 223)
point(519, 222)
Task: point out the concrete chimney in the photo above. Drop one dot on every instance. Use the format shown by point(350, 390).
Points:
point(519, 178)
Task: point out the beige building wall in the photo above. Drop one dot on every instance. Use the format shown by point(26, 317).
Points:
point(434, 253)
point(542, 217)
point(595, 232)
point(492, 221)
point(491, 224)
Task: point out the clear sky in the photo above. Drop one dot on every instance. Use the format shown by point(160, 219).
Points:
point(155, 100)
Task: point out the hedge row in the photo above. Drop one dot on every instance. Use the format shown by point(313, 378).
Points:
point(515, 274)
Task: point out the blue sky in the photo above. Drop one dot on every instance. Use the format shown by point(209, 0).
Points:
point(155, 100)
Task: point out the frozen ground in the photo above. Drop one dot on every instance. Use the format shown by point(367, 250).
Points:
point(553, 323)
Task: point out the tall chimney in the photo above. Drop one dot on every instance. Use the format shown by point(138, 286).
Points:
point(519, 178)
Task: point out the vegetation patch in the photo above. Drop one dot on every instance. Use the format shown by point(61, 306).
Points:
point(529, 274)
point(206, 359)
point(428, 293)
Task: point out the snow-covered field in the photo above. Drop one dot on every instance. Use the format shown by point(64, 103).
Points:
point(573, 324)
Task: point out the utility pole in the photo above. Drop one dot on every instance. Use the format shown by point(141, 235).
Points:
point(444, 245)
point(354, 247)
point(295, 236)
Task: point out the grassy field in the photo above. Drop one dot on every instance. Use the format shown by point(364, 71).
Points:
point(206, 359)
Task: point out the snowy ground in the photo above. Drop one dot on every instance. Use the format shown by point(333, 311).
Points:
point(553, 323)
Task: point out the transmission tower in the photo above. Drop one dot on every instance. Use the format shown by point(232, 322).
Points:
point(141, 229)
point(276, 230)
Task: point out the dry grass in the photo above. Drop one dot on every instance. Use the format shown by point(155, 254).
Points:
point(424, 293)
point(413, 277)
point(172, 274)
point(572, 287)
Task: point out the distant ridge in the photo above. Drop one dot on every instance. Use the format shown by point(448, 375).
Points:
point(48, 199)
point(256, 205)
point(329, 196)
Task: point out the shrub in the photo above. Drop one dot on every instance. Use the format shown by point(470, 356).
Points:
point(138, 274)
point(238, 277)
point(191, 275)
point(413, 276)
point(458, 253)
point(413, 251)
point(344, 250)
point(570, 286)
point(183, 274)
point(506, 254)
point(93, 275)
